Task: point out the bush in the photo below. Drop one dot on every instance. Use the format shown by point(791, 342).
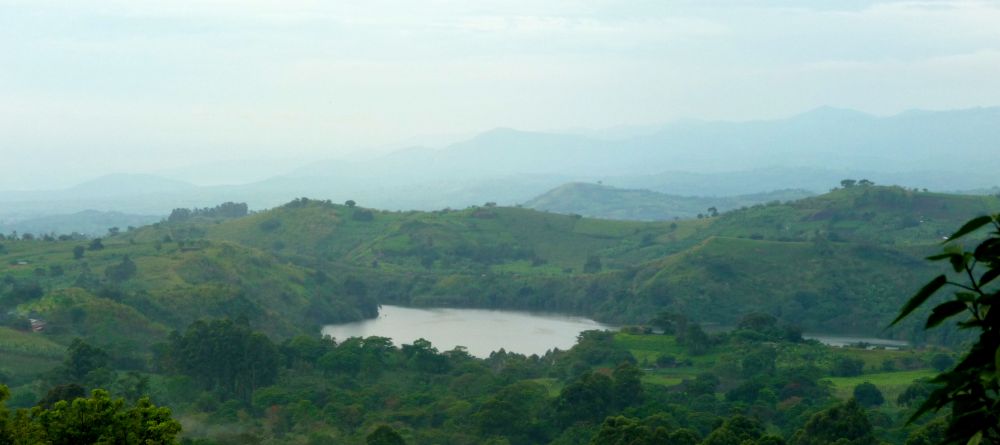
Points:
point(941, 362)
point(363, 215)
point(847, 367)
point(868, 395)
point(270, 225)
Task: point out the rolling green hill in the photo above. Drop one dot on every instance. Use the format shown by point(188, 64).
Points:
point(601, 201)
point(134, 293)
point(842, 262)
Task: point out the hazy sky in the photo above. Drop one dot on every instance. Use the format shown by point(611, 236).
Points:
point(88, 87)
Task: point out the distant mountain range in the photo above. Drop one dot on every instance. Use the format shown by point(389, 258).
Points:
point(601, 201)
point(87, 222)
point(939, 150)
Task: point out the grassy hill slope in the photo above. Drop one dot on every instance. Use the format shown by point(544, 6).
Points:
point(842, 262)
point(839, 262)
point(600, 201)
point(171, 285)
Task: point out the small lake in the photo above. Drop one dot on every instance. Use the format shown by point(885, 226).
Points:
point(481, 331)
point(844, 340)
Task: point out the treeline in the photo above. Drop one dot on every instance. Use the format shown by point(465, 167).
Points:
point(359, 390)
point(224, 210)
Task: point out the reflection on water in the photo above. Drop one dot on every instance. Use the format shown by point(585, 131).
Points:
point(840, 340)
point(481, 331)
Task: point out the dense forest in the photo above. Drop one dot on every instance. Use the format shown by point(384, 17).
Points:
point(215, 313)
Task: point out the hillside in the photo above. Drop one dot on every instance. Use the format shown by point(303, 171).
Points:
point(136, 293)
point(799, 261)
point(292, 268)
point(600, 201)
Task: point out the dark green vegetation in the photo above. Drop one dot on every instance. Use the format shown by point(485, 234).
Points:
point(264, 282)
point(87, 420)
point(972, 388)
point(859, 248)
point(600, 201)
point(228, 384)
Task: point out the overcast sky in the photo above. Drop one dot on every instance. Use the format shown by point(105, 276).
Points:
point(90, 87)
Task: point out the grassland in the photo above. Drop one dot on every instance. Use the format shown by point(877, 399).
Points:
point(891, 384)
point(724, 361)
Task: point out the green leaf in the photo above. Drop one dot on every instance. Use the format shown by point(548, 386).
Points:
point(988, 250)
point(996, 364)
point(967, 297)
point(975, 439)
point(970, 226)
point(920, 297)
point(943, 311)
point(958, 262)
point(940, 256)
point(990, 275)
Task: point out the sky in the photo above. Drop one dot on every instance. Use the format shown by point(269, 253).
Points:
point(90, 87)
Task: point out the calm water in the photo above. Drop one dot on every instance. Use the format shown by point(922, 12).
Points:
point(840, 340)
point(481, 331)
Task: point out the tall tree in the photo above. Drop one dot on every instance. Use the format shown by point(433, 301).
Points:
point(98, 419)
point(225, 356)
point(845, 424)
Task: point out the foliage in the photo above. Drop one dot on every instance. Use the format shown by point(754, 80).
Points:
point(384, 435)
point(224, 210)
point(848, 366)
point(223, 356)
point(122, 271)
point(972, 388)
point(97, 419)
point(868, 395)
point(845, 424)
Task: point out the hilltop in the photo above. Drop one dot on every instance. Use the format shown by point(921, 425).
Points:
point(861, 247)
point(116, 289)
point(601, 201)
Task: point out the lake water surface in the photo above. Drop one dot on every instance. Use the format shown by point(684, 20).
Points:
point(481, 331)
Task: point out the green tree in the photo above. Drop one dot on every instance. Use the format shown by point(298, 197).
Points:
point(868, 395)
point(78, 252)
point(669, 322)
point(384, 435)
point(82, 361)
point(941, 362)
point(844, 424)
point(6, 427)
point(683, 436)
point(225, 356)
point(622, 431)
point(627, 385)
point(511, 412)
point(847, 366)
point(587, 399)
point(122, 271)
point(94, 420)
point(593, 264)
point(69, 392)
point(972, 388)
